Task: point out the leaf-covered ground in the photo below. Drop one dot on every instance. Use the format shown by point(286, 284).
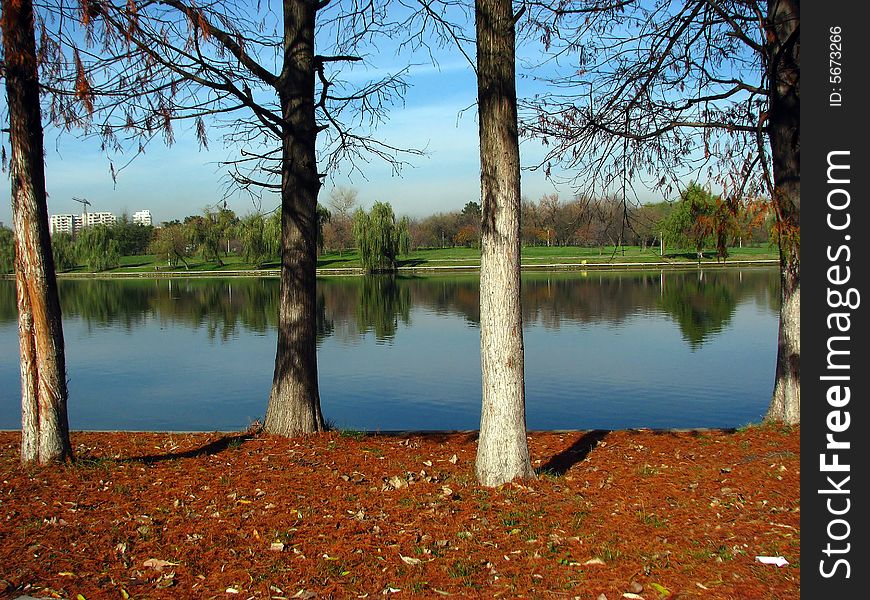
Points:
point(622, 514)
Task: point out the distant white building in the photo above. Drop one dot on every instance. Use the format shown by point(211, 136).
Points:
point(71, 224)
point(142, 217)
point(64, 224)
point(98, 218)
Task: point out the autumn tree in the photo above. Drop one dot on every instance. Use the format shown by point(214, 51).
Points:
point(253, 72)
point(502, 453)
point(469, 232)
point(44, 423)
point(660, 92)
point(339, 233)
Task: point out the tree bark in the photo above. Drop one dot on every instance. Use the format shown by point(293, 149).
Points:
point(783, 51)
point(44, 425)
point(502, 453)
point(294, 402)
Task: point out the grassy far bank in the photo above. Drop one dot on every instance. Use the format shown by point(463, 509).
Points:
point(445, 258)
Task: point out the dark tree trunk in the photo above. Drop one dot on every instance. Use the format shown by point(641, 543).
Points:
point(294, 403)
point(502, 453)
point(44, 426)
point(784, 130)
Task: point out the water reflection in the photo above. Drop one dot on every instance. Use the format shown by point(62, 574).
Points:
point(701, 303)
point(603, 350)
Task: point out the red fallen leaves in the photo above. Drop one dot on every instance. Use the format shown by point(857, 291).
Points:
point(624, 514)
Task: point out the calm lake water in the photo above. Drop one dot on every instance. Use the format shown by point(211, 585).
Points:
point(603, 350)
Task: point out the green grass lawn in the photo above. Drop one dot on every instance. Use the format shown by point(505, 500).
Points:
point(458, 257)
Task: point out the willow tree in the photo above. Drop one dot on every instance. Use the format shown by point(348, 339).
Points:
point(253, 71)
point(44, 425)
point(379, 238)
point(502, 452)
point(659, 92)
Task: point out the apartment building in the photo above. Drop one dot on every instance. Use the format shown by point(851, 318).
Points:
point(98, 218)
point(64, 224)
point(71, 224)
point(142, 217)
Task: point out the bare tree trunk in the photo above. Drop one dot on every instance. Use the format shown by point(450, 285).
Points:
point(784, 128)
point(44, 425)
point(294, 403)
point(502, 453)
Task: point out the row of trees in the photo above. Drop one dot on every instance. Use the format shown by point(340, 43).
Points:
point(697, 220)
point(669, 79)
point(585, 221)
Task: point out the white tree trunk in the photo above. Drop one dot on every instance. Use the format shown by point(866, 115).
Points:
point(502, 453)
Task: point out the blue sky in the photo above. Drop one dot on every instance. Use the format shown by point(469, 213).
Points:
point(181, 180)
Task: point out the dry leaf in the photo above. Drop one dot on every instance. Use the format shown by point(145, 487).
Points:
point(409, 560)
point(158, 564)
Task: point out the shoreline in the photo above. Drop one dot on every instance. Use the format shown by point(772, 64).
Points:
point(415, 432)
point(357, 271)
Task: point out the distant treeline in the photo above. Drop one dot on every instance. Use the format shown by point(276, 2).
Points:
point(696, 220)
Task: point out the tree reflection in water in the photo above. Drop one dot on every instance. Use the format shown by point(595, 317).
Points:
point(701, 303)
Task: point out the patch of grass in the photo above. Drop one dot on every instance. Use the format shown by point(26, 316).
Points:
point(352, 434)
point(329, 568)
point(651, 519)
point(578, 517)
point(608, 553)
point(723, 552)
point(510, 519)
point(462, 569)
point(122, 489)
point(550, 474)
point(99, 462)
point(647, 471)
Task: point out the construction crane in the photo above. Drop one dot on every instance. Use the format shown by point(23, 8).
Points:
point(85, 204)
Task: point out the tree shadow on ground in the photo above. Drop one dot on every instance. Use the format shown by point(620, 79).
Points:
point(214, 447)
point(560, 463)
